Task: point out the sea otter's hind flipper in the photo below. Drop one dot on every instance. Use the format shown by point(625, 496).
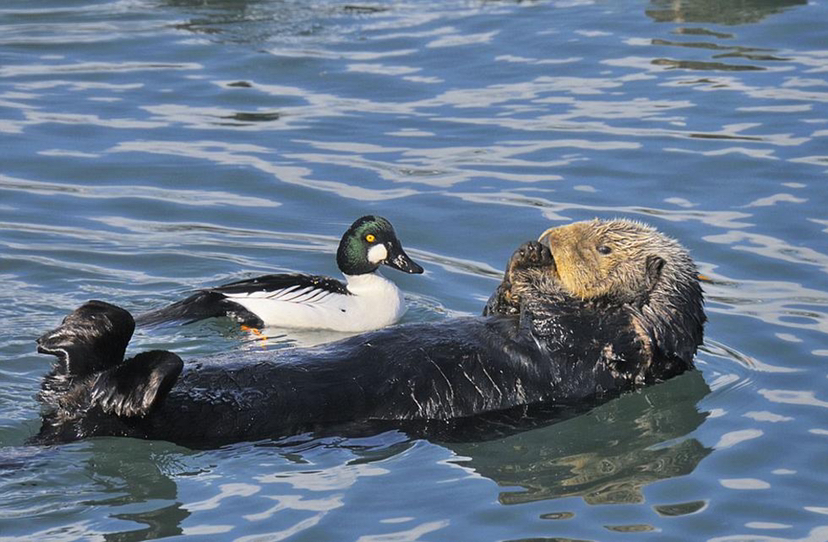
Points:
point(199, 306)
point(91, 338)
point(133, 387)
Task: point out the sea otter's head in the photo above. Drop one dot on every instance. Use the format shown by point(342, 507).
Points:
point(628, 263)
point(619, 260)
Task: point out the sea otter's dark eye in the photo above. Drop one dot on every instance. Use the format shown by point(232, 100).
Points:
point(604, 249)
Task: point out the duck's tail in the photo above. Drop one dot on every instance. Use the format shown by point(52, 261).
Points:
point(199, 306)
point(91, 386)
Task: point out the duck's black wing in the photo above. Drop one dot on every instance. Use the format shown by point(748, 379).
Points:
point(276, 286)
point(218, 301)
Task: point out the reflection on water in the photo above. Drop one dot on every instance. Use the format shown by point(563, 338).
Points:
point(146, 495)
point(606, 456)
point(255, 21)
point(128, 481)
point(729, 12)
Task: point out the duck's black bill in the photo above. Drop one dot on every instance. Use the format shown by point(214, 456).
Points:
point(398, 259)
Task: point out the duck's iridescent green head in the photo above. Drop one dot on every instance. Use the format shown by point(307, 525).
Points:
point(369, 243)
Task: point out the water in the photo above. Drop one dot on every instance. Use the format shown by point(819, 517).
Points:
point(151, 147)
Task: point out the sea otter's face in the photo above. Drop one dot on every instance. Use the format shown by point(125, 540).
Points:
point(619, 260)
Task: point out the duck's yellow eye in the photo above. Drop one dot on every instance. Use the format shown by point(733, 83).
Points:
point(370, 238)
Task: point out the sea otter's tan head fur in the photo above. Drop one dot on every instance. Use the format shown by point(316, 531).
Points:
point(615, 263)
point(619, 260)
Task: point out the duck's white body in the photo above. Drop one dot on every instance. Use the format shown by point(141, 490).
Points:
point(371, 302)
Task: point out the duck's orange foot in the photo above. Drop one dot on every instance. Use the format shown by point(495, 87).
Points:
point(256, 332)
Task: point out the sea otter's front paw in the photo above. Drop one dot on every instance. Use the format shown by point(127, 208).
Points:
point(530, 254)
point(501, 301)
point(521, 274)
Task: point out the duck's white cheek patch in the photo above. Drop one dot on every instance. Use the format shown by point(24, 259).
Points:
point(377, 253)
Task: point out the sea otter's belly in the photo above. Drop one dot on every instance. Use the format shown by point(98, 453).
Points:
point(433, 371)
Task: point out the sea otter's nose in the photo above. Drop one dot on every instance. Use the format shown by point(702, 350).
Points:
point(545, 255)
point(532, 254)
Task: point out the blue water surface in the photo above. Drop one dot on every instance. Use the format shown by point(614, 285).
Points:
point(150, 147)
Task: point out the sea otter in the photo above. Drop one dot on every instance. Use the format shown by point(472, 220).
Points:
point(591, 310)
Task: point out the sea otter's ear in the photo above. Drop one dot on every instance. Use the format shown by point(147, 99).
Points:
point(135, 386)
point(654, 266)
point(91, 338)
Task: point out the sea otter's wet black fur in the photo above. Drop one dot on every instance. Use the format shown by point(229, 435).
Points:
point(535, 346)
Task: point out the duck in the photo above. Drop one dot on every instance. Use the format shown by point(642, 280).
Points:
point(365, 301)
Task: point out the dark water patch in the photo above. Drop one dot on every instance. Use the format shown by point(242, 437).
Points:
point(636, 528)
point(704, 66)
point(722, 136)
point(702, 32)
point(706, 45)
point(254, 117)
point(680, 509)
point(752, 56)
point(364, 9)
point(557, 515)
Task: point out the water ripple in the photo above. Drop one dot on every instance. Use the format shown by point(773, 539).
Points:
point(182, 197)
point(228, 154)
point(93, 68)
